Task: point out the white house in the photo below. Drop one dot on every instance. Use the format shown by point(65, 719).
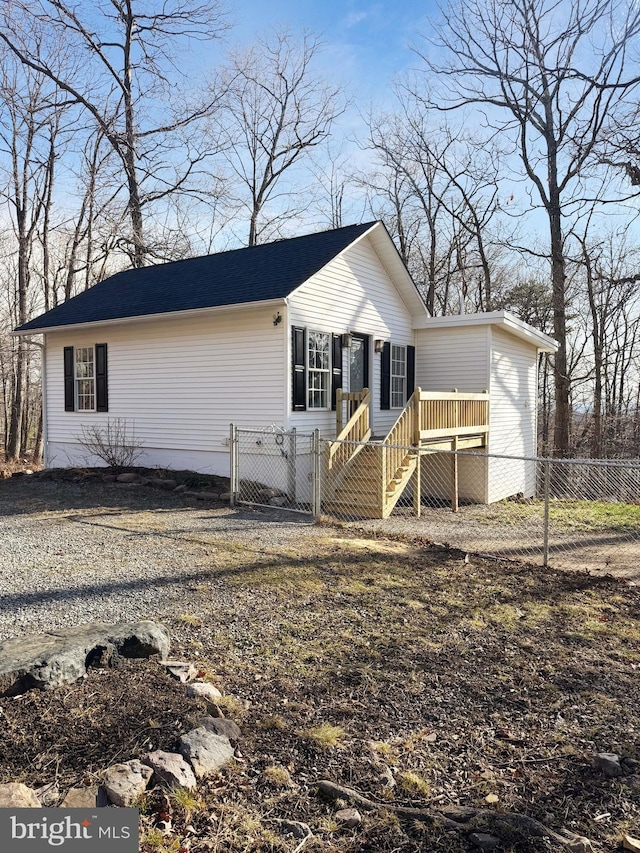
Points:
point(267, 335)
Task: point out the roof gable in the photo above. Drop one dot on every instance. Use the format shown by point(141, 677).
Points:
point(242, 276)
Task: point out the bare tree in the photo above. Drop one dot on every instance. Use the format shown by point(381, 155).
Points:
point(274, 110)
point(30, 121)
point(126, 51)
point(440, 190)
point(549, 76)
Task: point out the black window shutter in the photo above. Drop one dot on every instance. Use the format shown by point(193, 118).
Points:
point(69, 391)
point(298, 364)
point(102, 391)
point(411, 371)
point(385, 376)
point(336, 367)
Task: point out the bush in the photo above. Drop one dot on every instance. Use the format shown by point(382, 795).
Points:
point(112, 442)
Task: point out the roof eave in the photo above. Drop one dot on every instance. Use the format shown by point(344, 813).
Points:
point(509, 322)
point(143, 318)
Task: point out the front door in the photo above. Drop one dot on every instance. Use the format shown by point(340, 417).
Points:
point(359, 363)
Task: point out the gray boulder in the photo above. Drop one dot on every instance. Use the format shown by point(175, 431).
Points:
point(170, 769)
point(15, 795)
point(59, 657)
point(123, 784)
point(206, 751)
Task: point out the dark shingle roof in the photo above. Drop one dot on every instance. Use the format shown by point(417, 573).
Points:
point(268, 271)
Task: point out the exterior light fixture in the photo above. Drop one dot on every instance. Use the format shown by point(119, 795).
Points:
point(277, 319)
point(378, 345)
point(347, 340)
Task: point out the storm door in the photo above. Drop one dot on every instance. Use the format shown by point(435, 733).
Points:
point(359, 363)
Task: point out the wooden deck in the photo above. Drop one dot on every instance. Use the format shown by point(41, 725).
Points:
point(366, 479)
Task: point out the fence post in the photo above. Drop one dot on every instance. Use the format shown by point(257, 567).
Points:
point(316, 476)
point(292, 460)
point(547, 478)
point(233, 463)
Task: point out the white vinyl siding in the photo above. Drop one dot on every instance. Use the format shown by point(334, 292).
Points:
point(180, 382)
point(453, 358)
point(513, 386)
point(353, 293)
point(473, 359)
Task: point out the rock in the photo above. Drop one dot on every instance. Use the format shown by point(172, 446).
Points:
point(279, 500)
point(492, 799)
point(109, 478)
point(127, 478)
point(208, 496)
point(182, 670)
point(15, 795)
point(80, 798)
point(170, 769)
point(268, 494)
point(221, 726)
point(181, 488)
point(633, 782)
point(225, 496)
point(630, 765)
point(483, 840)
point(203, 690)
point(155, 481)
point(207, 752)
point(349, 818)
point(60, 657)
point(123, 784)
point(294, 827)
point(609, 764)
point(169, 485)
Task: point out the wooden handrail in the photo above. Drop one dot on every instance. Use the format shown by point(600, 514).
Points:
point(357, 429)
point(349, 400)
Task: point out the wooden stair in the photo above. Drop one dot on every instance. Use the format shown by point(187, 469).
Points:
point(365, 479)
point(358, 489)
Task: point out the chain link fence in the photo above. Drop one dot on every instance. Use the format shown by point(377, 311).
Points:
point(567, 513)
point(275, 468)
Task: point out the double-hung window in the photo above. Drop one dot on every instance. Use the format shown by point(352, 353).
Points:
point(85, 379)
point(316, 362)
point(318, 369)
point(398, 376)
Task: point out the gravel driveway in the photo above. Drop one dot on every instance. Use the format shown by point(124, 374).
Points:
point(73, 552)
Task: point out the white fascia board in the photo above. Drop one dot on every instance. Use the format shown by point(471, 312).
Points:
point(167, 315)
point(508, 322)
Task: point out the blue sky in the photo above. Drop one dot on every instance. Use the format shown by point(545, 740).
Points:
point(366, 44)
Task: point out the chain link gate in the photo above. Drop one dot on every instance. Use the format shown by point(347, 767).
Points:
point(276, 468)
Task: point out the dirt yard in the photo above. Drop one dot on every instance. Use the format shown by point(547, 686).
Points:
point(414, 675)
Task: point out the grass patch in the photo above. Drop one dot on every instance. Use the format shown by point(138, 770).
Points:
point(325, 735)
point(567, 515)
